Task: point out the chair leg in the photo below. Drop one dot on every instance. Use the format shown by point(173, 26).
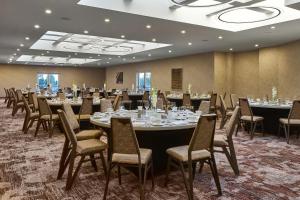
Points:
point(142, 196)
point(37, 127)
point(63, 159)
point(119, 175)
point(145, 176)
point(70, 172)
point(168, 170)
point(253, 128)
point(287, 134)
point(201, 166)
point(213, 167)
point(230, 160)
point(103, 163)
point(279, 130)
point(51, 128)
point(107, 180)
point(76, 171)
point(92, 157)
point(152, 174)
point(233, 158)
point(184, 180)
point(191, 179)
point(25, 123)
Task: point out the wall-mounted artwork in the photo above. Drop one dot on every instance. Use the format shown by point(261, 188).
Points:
point(119, 78)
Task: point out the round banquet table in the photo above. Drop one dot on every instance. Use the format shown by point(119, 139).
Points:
point(196, 101)
point(271, 114)
point(159, 138)
point(57, 104)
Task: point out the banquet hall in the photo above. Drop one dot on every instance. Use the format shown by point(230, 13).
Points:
point(150, 100)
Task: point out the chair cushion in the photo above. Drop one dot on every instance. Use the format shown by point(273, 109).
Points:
point(255, 118)
point(34, 115)
point(292, 121)
point(88, 134)
point(220, 140)
point(132, 158)
point(83, 117)
point(181, 153)
point(47, 117)
point(90, 146)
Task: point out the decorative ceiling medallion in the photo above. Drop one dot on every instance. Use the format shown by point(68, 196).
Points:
point(250, 15)
point(69, 42)
point(197, 4)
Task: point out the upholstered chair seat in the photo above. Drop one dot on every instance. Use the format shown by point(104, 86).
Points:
point(291, 121)
point(133, 158)
point(220, 140)
point(248, 118)
point(88, 134)
point(90, 146)
point(181, 153)
point(48, 117)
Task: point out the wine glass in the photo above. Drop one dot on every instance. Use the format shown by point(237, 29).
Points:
point(146, 105)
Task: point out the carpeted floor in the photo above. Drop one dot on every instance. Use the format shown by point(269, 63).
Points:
point(270, 169)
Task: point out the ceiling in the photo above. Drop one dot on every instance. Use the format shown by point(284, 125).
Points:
point(127, 20)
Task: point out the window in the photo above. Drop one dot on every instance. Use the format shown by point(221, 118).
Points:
point(143, 81)
point(44, 80)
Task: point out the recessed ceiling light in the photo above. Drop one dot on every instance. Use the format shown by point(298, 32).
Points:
point(148, 26)
point(85, 31)
point(133, 57)
point(190, 43)
point(154, 40)
point(98, 55)
point(183, 32)
point(75, 54)
point(109, 58)
point(220, 37)
point(124, 59)
point(21, 45)
point(149, 55)
point(48, 11)
point(90, 57)
point(231, 49)
point(107, 20)
point(15, 54)
point(107, 62)
point(36, 26)
point(170, 51)
point(18, 49)
point(256, 45)
point(119, 56)
point(69, 56)
point(27, 38)
point(47, 51)
point(42, 54)
point(273, 27)
point(122, 36)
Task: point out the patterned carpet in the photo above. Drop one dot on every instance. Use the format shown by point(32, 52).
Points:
point(270, 169)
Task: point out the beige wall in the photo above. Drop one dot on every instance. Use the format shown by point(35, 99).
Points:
point(19, 76)
point(198, 70)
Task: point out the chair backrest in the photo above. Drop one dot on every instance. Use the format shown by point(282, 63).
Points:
point(33, 96)
point(123, 136)
point(223, 104)
point(71, 116)
point(27, 108)
point(203, 135)
point(295, 111)
point(117, 102)
point(186, 101)
point(86, 106)
point(204, 107)
point(61, 96)
point(19, 95)
point(44, 107)
point(105, 104)
point(13, 95)
point(213, 100)
point(70, 134)
point(233, 100)
point(233, 123)
point(245, 107)
point(146, 96)
point(125, 96)
point(6, 94)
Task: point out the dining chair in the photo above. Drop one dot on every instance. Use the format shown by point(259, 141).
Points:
point(86, 109)
point(204, 107)
point(82, 149)
point(17, 104)
point(32, 99)
point(186, 100)
point(30, 117)
point(6, 98)
point(117, 102)
point(46, 118)
point(126, 100)
point(61, 96)
point(125, 151)
point(104, 105)
point(200, 149)
point(10, 98)
point(213, 102)
point(225, 142)
point(145, 99)
point(247, 117)
point(233, 100)
point(80, 135)
point(225, 112)
point(292, 120)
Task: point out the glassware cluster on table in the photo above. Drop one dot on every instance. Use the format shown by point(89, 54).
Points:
point(154, 117)
point(193, 95)
point(265, 101)
point(77, 100)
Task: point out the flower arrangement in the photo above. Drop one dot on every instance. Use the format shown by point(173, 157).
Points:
point(190, 88)
point(153, 97)
point(74, 89)
point(274, 93)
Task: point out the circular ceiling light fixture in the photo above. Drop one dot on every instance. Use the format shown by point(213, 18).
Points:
point(200, 3)
point(250, 15)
